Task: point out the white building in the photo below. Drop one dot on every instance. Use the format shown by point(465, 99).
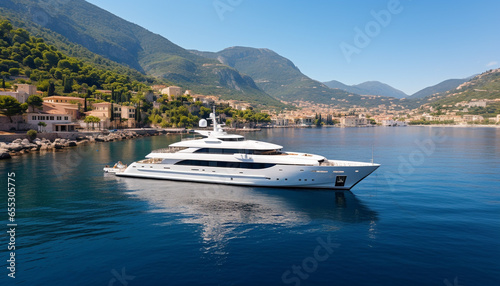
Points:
point(472, 118)
point(279, 121)
point(353, 121)
point(391, 122)
point(55, 122)
point(479, 103)
point(22, 93)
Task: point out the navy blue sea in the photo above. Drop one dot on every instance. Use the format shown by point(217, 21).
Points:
point(430, 215)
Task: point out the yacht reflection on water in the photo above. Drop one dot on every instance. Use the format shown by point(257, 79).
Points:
point(221, 209)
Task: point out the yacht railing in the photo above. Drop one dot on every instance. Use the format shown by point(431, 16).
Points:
point(339, 163)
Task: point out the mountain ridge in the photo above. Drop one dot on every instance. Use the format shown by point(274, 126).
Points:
point(443, 86)
point(368, 88)
point(485, 86)
point(128, 44)
point(279, 77)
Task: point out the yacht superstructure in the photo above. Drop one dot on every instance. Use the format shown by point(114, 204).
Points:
point(223, 158)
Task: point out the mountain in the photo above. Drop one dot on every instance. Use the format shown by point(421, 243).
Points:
point(280, 78)
point(379, 88)
point(483, 86)
point(368, 88)
point(440, 87)
point(338, 85)
point(111, 37)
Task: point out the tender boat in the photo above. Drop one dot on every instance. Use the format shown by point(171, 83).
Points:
point(223, 158)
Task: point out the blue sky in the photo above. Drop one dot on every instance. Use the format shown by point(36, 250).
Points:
point(412, 44)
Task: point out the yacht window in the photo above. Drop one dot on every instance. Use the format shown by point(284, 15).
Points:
point(169, 150)
point(234, 151)
point(222, 164)
point(232, 139)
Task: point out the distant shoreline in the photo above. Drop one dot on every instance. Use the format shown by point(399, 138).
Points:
point(457, 126)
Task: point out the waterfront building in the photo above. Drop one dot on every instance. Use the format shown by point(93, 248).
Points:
point(472, 118)
point(56, 122)
point(354, 121)
point(120, 113)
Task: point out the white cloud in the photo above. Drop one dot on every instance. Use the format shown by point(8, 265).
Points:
point(493, 63)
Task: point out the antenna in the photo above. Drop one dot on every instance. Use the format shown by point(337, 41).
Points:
point(372, 154)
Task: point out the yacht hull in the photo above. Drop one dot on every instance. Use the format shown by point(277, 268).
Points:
point(340, 177)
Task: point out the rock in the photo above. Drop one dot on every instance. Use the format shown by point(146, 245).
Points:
point(16, 147)
point(25, 142)
point(82, 142)
point(45, 146)
point(37, 140)
point(71, 143)
point(31, 146)
point(58, 145)
point(18, 141)
point(4, 154)
point(57, 140)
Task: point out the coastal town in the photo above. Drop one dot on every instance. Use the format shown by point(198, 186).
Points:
point(248, 143)
point(71, 113)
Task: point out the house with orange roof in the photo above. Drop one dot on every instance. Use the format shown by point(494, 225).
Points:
point(123, 115)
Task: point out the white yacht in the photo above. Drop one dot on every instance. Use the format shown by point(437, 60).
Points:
point(223, 158)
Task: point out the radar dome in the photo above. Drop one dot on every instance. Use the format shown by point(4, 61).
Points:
point(202, 123)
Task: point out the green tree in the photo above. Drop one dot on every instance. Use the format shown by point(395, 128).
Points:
point(5, 28)
point(31, 134)
point(138, 113)
point(51, 58)
point(38, 63)
point(51, 90)
point(43, 85)
point(29, 61)
point(14, 71)
point(92, 119)
point(41, 126)
point(9, 106)
point(34, 101)
point(68, 85)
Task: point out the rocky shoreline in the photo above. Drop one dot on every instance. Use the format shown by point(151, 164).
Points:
point(24, 146)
